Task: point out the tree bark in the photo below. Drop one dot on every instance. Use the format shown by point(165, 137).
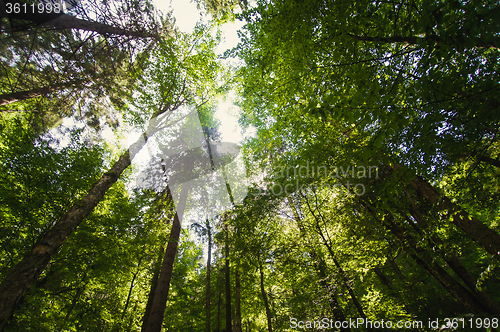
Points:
point(24, 274)
point(450, 258)
point(490, 161)
point(154, 283)
point(266, 302)
point(342, 273)
point(475, 229)
point(156, 315)
point(209, 261)
point(459, 292)
point(320, 267)
point(219, 302)
point(228, 285)
point(64, 21)
point(8, 98)
point(237, 306)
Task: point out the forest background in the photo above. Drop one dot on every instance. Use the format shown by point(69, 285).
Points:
point(397, 98)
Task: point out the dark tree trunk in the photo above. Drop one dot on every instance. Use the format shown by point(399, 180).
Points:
point(490, 161)
point(24, 274)
point(219, 301)
point(450, 258)
point(266, 302)
point(156, 315)
point(127, 302)
point(459, 292)
point(320, 267)
point(475, 229)
point(8, 98)
point(64, 21)
point(469, 301)
point(228, 286)
point(154, 282)
point(237, 299)
point(209, 261)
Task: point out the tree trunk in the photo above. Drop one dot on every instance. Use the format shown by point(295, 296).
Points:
point(320, 267)
point(154, 283)
point(459, 292)
point(342, 273)
point(156, 315)
point(127, 302)
point(209, 261)
point(228, 286)
point(264, 298)
point(64, 21)
point(74, 301)
point(8, 98)
point(412, 40)
point(24, 274)
point(219, 282)
point(490, 161)
point(237, 306)
point(475, 229)
point(450, 258)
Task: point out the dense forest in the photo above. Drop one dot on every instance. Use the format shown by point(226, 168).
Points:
point(367, 197)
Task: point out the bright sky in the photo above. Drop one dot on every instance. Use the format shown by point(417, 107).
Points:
point(186, 15)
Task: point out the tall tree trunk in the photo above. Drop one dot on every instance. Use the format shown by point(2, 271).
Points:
point(450, 258)
point(228, 285)
point(154, 283)
point(459, 292)
point(475, 229)
point(118, 325)
point(209, 262)
point(264, 298)
point(490, 161)
point(156, 315)
point(237, 298)
point(127, 302)
point(320, 267)
point(219, 301)
point(74, 301)
point(64, 21)
point(342, 273)
point(24, 274)
point(8, 98)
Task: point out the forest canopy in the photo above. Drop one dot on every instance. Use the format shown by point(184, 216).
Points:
point(368, 197)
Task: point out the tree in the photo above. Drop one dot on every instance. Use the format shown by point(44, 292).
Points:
point(62, 72)
point(186, 69)
point(336, 90)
